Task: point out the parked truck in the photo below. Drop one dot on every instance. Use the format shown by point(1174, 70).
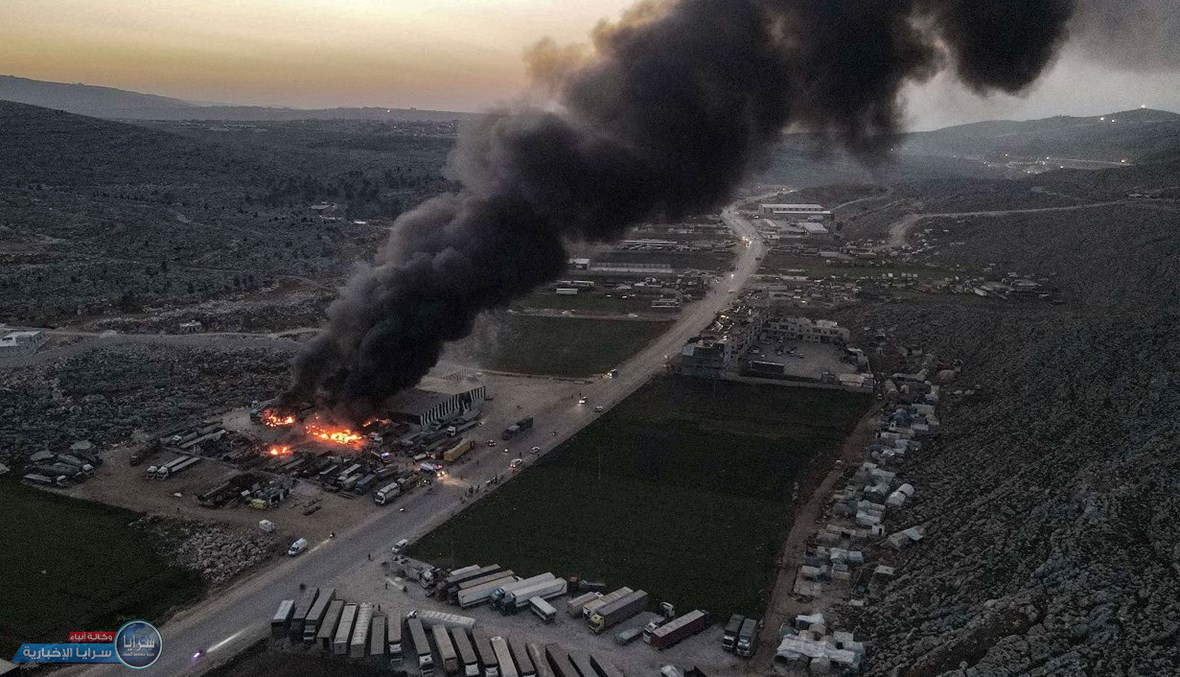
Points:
point(500, 592)
point(504, 657)
point(456, 452)
point(497, 577)
point(359, 640)
point(487, 657)
point(593, 605)
point(395, 639)
point(327, 631)
point(315, 616)
point(387, 493)
point(678, 629)
point(608, 615)
point(747, 641)
point(518, 599)
point(732, 628)
point(175, 469)
point(446, 649)
point(344, 630)
point(540, 662)
point(281, 621)
point(524, 664)
point(574, 606)
point(479, 594)
point(431, 618)
point(468, 659)
point(543, 610)
point(377, 645)
point(516, 428)
point(302, 608)
point(421, 646)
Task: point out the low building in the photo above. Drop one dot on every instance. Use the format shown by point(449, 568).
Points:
point(192, 327)
point(434, 401)
point(805, 329)
point(804, 212)
point(22, 343)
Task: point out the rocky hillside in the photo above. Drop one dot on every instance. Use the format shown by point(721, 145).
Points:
point(1052, 499)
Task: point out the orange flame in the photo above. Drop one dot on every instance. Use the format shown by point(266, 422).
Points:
point(273, 420)
point(335, 435)
point(279, 450)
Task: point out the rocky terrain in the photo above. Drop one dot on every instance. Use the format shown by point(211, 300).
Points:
point(214, 552)
point(1051, 501)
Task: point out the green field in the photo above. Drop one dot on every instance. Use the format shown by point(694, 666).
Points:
point(75, 565)
point(586, 303)
point(683, 490)
point(566, 346)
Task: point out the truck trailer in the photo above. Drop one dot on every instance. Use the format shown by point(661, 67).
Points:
point(605, 667)
point(732, 628)
point(574, 606)
point(302, 607)
point(377, 644)
point(504, 657)
point(327, 631)
point(543, 610)
point(358, 642)
point(608, 615)
point(560, 660)
point(344, 630)
point(430, 618)
point(387, 493)
point(393, 630)
point(594, 605)
point(479, 594)
point(524, 664)
point(678, 629)
point(447, 656)
point(315, 615)
point(421, 646)
point(281, 621)
point(540, 662)
point(487, 657)
point(747, 641)
point(581, 661)
point(468, 659)
point(460, 576)
point(518, 599)
point(497, 577)
point(499, 593)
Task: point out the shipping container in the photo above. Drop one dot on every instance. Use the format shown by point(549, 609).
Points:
point(487, 657)
point(302, 606)
point(281, 621)
point(543, 610)
point(559, 659)
point(378, 647)
point(394, 627)
point(421, 646)
point(678, 629)
point(468, 659)
point(605, 667)
point(540, 662)
point(524, 664)
point(608, 615)
point(518, 599)
point(447, 656)
point(498, 593)
point(504, 657)
point(593, 605)
point(315, 615)
point(430, 618)
point(358, 643)
point(574, 606)
point(581, 661)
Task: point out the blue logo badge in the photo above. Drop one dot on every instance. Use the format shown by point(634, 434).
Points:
point(138, 645)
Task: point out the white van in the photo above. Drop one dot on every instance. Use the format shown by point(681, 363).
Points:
point(400, 546)
point(297, 547)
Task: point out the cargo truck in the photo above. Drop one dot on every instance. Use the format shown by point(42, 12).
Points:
point(421, 646)
point(593, 605)
point(608, 615)
point(344, 630)
point(487, 657)
point(560, 660)
point(302, 606)
point(499, 593)
point(732, 628)
point(497, 577)
point(747, 641)
point(460, 576)
point(540, 662)
point(518, 599)
point(678, 629)
point(446, 649)
point(377, 644)
point(187, 463)
point(524, 664)
point(574, 606)
point(387, 493)
point(625, 637)
point(315, 615)
point(504, 657)
point(394, 628)
point(467, 656)
point(327, 631)
point(281, 621)
point(544, 610)
point(430, 618)
point(581, 661)
point(605, 668)
point(365, 483)
point(481, 593)
point(359, 640)
point(456, 452)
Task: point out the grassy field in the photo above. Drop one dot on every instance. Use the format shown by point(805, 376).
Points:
point(563, 346)
point(815, 267)
point(683, 490)
point(586, 303)
point(76, 565)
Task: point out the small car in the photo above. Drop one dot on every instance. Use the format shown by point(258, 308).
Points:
point(516, 463)
point(598, 408)
point(536, 450)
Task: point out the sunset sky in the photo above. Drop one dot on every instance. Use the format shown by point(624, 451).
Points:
point(443, 54)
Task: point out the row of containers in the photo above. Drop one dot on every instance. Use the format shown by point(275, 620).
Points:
point(433, 641)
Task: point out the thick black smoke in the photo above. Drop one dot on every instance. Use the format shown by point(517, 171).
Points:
point(662, 118)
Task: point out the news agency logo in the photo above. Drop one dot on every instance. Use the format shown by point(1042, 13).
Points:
point(138, 645)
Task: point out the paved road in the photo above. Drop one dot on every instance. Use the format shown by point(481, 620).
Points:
point(228, 622)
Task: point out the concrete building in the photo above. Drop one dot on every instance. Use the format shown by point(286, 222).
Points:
point(435, 400)
point(804, 329)
point(730, 336)
point(22, 343)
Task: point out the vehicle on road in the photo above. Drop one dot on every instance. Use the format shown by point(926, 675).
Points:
point(297, 547)
point(536, 450)
point(516, 463)
point(400, 546)
point(491, 443)
point(583, 400)
point(598, 409)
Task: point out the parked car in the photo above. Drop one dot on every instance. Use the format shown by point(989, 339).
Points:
point(297, 547)
point(598, 408)
point(536, 450)
point(491, 443)
point(583, 400)
point(516, 463)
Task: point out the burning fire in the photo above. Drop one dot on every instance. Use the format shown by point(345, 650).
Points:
point(273, 420)
point(335, 435)
point(279, 450)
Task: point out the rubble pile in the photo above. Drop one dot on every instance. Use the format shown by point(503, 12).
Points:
point(1050, 502)
point(224, 315)
point(216, 553)
point(107, 393)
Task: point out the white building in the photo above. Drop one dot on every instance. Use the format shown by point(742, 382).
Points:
point(802, 212)
point(21, 343)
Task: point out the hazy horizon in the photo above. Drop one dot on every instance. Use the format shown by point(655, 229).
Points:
point(457, 55)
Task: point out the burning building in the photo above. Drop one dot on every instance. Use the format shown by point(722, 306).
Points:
point(434, 401)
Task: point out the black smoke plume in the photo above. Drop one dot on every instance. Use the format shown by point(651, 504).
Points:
point(660, 117)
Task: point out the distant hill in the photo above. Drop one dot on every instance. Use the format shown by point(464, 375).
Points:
point(119, 104)
point(1133, 135)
